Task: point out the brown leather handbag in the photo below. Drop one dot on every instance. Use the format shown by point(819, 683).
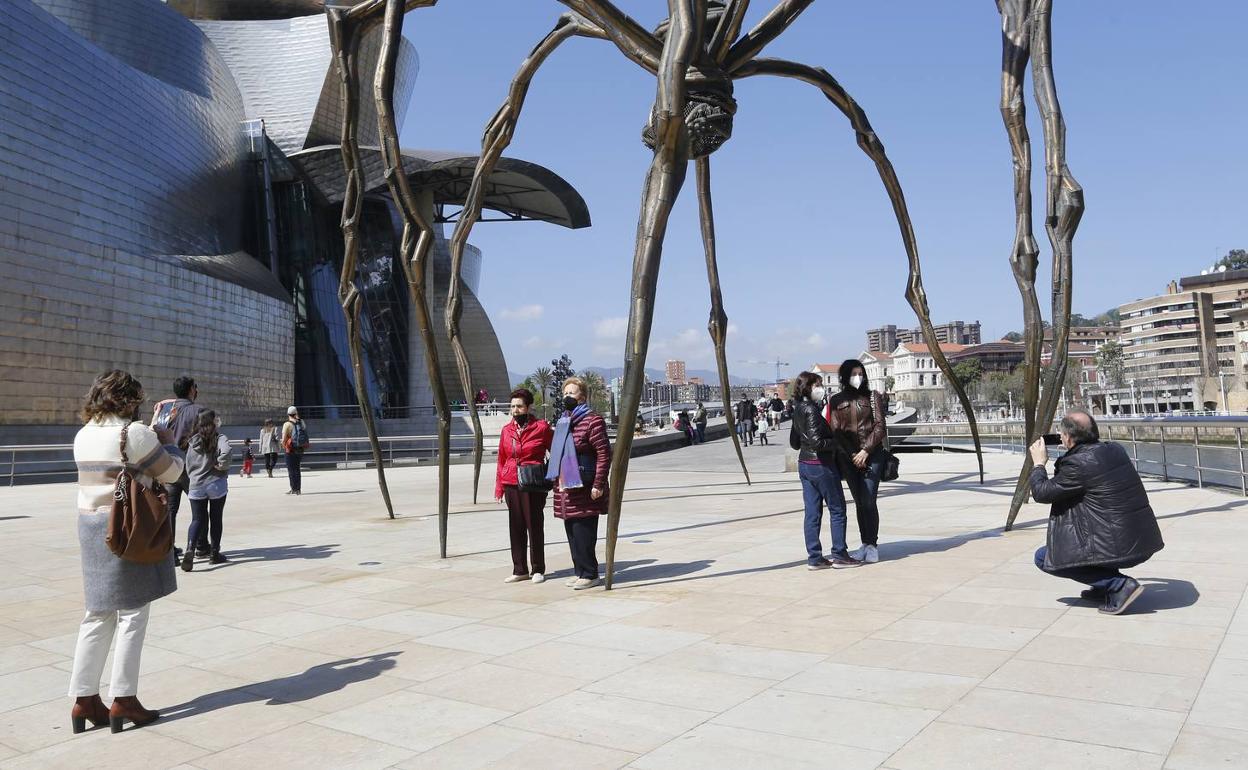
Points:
point(138, 525)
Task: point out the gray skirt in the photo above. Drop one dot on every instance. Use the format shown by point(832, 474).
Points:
point(112, 583)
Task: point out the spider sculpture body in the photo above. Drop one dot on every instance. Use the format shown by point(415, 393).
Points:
point(695, 55)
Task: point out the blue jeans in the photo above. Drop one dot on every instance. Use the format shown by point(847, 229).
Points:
point(700, 431)
point(743, 432)
point(1106, 578)
point(821, 485)
point(864, 487)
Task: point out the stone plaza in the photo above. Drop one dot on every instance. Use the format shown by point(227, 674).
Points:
point(337, 638)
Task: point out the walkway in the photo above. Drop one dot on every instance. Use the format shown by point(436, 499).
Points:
point(335, 638)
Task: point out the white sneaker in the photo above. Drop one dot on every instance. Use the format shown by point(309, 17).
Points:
point(571, 581)
point(868, 554)
point(515, 578)
point(584, 583)
point(539, 577)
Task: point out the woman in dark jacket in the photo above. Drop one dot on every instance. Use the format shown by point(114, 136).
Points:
point(856, 415)
point(821, 479)
point(524, 441)
point(580, 456)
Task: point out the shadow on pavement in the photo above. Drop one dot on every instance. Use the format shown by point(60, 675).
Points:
point(313, 683)
point(272, 553)
point(1160, 594)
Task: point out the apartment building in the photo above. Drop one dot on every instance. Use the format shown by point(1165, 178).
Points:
point(885, 339)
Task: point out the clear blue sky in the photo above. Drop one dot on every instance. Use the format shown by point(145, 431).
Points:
point(1154, 97)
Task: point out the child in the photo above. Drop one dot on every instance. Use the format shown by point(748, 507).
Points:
point(248, 458)
point(762, 428)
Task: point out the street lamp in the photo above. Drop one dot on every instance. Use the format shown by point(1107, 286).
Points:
point(1135, 409)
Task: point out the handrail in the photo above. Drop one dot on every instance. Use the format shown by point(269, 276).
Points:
point(1195, 449)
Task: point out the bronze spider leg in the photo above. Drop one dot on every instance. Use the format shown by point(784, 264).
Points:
point(1016, 24)
point(633, 40)
point(414, 247)
point(718, 323)
point(346, 42)
point(663, 182)
point(874, 148)
point(728, 29)
point(498, 135)
point(1063, 212)
point(772, 25)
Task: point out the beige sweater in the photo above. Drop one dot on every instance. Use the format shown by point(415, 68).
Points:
point(97, 452)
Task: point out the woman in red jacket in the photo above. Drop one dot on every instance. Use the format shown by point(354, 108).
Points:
point(579, 458)
point(524, 441)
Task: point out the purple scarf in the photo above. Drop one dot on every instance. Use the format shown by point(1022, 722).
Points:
point(563, 464)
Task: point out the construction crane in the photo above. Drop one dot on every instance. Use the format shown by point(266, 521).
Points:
point(777, 363)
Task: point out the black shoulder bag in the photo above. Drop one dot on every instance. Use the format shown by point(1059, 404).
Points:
point(530, 477)
point(892, 465)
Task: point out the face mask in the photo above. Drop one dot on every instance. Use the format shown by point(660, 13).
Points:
point(570, 403)
point(522, 419)
point(817, 393)
point(855, 382)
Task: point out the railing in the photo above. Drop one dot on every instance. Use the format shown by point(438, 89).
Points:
point(45, 463)
point(352, 411)
point(1205, 451)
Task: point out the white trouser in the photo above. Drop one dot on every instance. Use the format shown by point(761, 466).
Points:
point(95, 636)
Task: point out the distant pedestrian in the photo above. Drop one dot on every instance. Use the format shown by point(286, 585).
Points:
point(249, 458)
point(817, 467)
point(580, 456)
point(208, 457)
point(294, 443)
point(178, 415)
point(775, 410)
point(762, 428)
point(524, 441)
point(745, 418)
point(856, 415)
point(1100, 522)
point(118, 592)
point(270, 445)
point(699, 422)
point(686, 425)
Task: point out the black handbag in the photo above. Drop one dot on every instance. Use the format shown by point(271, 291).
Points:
point(532, 476)
point(892, 465)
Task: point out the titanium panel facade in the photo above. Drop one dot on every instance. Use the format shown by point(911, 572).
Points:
point(120, 149)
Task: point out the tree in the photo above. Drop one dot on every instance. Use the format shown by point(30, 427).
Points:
point(541, 381)
point(1235, 259)
point(968, 372)
point(561, 369)
point(889, 382)
point(1013, 336)
point(1109, 364)
point(599, 397)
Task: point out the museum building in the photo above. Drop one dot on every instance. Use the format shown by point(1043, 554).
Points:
point(170, 195)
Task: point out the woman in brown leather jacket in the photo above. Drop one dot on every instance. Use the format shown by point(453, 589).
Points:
point(856, 416)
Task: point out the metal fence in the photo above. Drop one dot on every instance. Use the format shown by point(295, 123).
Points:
point(1205, 451)
point(46, 463)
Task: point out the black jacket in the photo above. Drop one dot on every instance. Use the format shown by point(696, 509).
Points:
point(745, 410)
point(811, 435)
point(1100, 512)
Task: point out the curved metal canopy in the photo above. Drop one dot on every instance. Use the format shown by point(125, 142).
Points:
point(518, 189)
point(247, 10)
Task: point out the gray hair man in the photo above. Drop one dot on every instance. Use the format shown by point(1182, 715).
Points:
point(1100, 521)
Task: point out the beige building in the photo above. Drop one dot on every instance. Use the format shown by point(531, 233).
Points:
point(1180, 348)
point(879, 367)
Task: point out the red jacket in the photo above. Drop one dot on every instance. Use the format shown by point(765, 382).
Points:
point(589, 436)
point(516, 446)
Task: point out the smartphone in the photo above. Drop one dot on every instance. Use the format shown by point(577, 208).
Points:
point(1052, 439)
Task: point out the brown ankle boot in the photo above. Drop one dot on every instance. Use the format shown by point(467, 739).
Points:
point(88, 707)
point(128, 707)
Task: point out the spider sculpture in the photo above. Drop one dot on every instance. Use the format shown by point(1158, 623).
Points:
point(695, 55)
